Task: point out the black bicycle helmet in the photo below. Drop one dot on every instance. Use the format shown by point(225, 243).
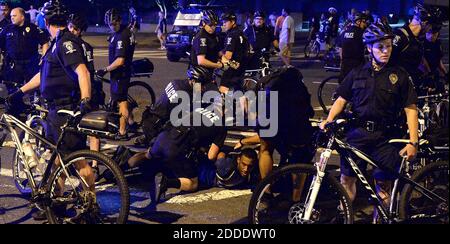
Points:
point(209, 17)
point(228, 16)
point(421, 13)
point(259, 14)
point(377, 32)
point(78, 21)
point(199, 74)
point(360, 16)
point(55, 13)
point(112, 15)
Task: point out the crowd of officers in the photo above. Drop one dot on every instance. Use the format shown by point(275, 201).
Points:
point(379, 90)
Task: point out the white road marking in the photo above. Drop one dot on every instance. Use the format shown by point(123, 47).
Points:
point(6, 172)
point(211, 196)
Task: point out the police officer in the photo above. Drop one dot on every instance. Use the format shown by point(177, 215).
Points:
point(5, 19)
point(260, 37)
point(174, 146)
point(175, 95)
point(205, 45)
point(64, 83)
point(77, 25)
point(352, 46)
point(20, 42)
point(434, 53)
point(236, 50)
point(408, 48)
point(121, 50)
point(379, 92)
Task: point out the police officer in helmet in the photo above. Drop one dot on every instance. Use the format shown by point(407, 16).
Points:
point(4, 14)
point(155, 118)
point(352, 46)
point(205, 48)
point(20, 43)
point(408, 47)
point(64, 82)
point(122, 44)
point(236, 50)
point(379, 92)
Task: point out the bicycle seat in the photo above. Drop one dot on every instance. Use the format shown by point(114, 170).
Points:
point(405, 141)
point(69, 113)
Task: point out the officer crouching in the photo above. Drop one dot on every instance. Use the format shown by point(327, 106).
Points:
point(379, 92)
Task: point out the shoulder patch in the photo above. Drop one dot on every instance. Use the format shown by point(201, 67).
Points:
point(68, 46)
point(203, 42)
point(119, 44)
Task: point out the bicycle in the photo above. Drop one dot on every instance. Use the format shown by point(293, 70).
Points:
point(326, 92)
point(73, 202)
point(423, 197)
point(140, 94)
point(252, 76)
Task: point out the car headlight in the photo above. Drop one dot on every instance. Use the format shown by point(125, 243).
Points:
point(185, 39)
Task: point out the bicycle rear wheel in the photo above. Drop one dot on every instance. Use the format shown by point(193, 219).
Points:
point(140, 96)
point(327, 93)
point(279, 198)
point(74, 203)
point(417, 207)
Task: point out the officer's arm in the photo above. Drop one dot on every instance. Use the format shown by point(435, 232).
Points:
point(227, 57)
point(412, 116)
point(33, 84)
point(119, 62)
point(45, 47)
point(338, 108)
point(214, 151)
point(84, 80)
point(203, 61)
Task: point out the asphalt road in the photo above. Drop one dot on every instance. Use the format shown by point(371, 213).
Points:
point(214, 206)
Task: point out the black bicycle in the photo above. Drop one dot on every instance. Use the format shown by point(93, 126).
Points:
point(56, 183)
point(280, 198)
point(140, 94)
point(327, 90)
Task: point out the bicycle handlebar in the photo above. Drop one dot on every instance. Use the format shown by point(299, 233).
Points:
point(436, 96)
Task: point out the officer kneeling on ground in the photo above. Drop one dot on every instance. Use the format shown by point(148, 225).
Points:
point(379, 92)
point(174, 147)
point(64, 83)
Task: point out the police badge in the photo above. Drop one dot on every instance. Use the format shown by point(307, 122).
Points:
point(393, 78)
point(27, 29)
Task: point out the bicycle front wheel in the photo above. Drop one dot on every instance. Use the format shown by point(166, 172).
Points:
point(418, 206)
point(280, 199)
point(75, 201)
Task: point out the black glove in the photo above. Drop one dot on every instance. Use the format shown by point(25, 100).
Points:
point(15, 101)
point(85, 106)
point(101, 72)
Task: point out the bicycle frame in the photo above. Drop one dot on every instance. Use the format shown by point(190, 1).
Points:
point(10, 122)
point(346, 151)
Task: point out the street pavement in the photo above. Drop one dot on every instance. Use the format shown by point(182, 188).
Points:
point(213, 206)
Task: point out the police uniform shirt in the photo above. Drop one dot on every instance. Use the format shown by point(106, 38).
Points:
point(351, 41)
point(236, 42)
point(205, 44)
point(22, 42)
point(208, 133)
point(88, 52)
point(407, 51)
point(433, 53)
point(122, 45)
point(260, 37)
point(378, 96)
point(58, 77)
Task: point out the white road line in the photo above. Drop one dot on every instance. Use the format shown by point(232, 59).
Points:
point(211, 196)
point(328, 83)
point(6, 172)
